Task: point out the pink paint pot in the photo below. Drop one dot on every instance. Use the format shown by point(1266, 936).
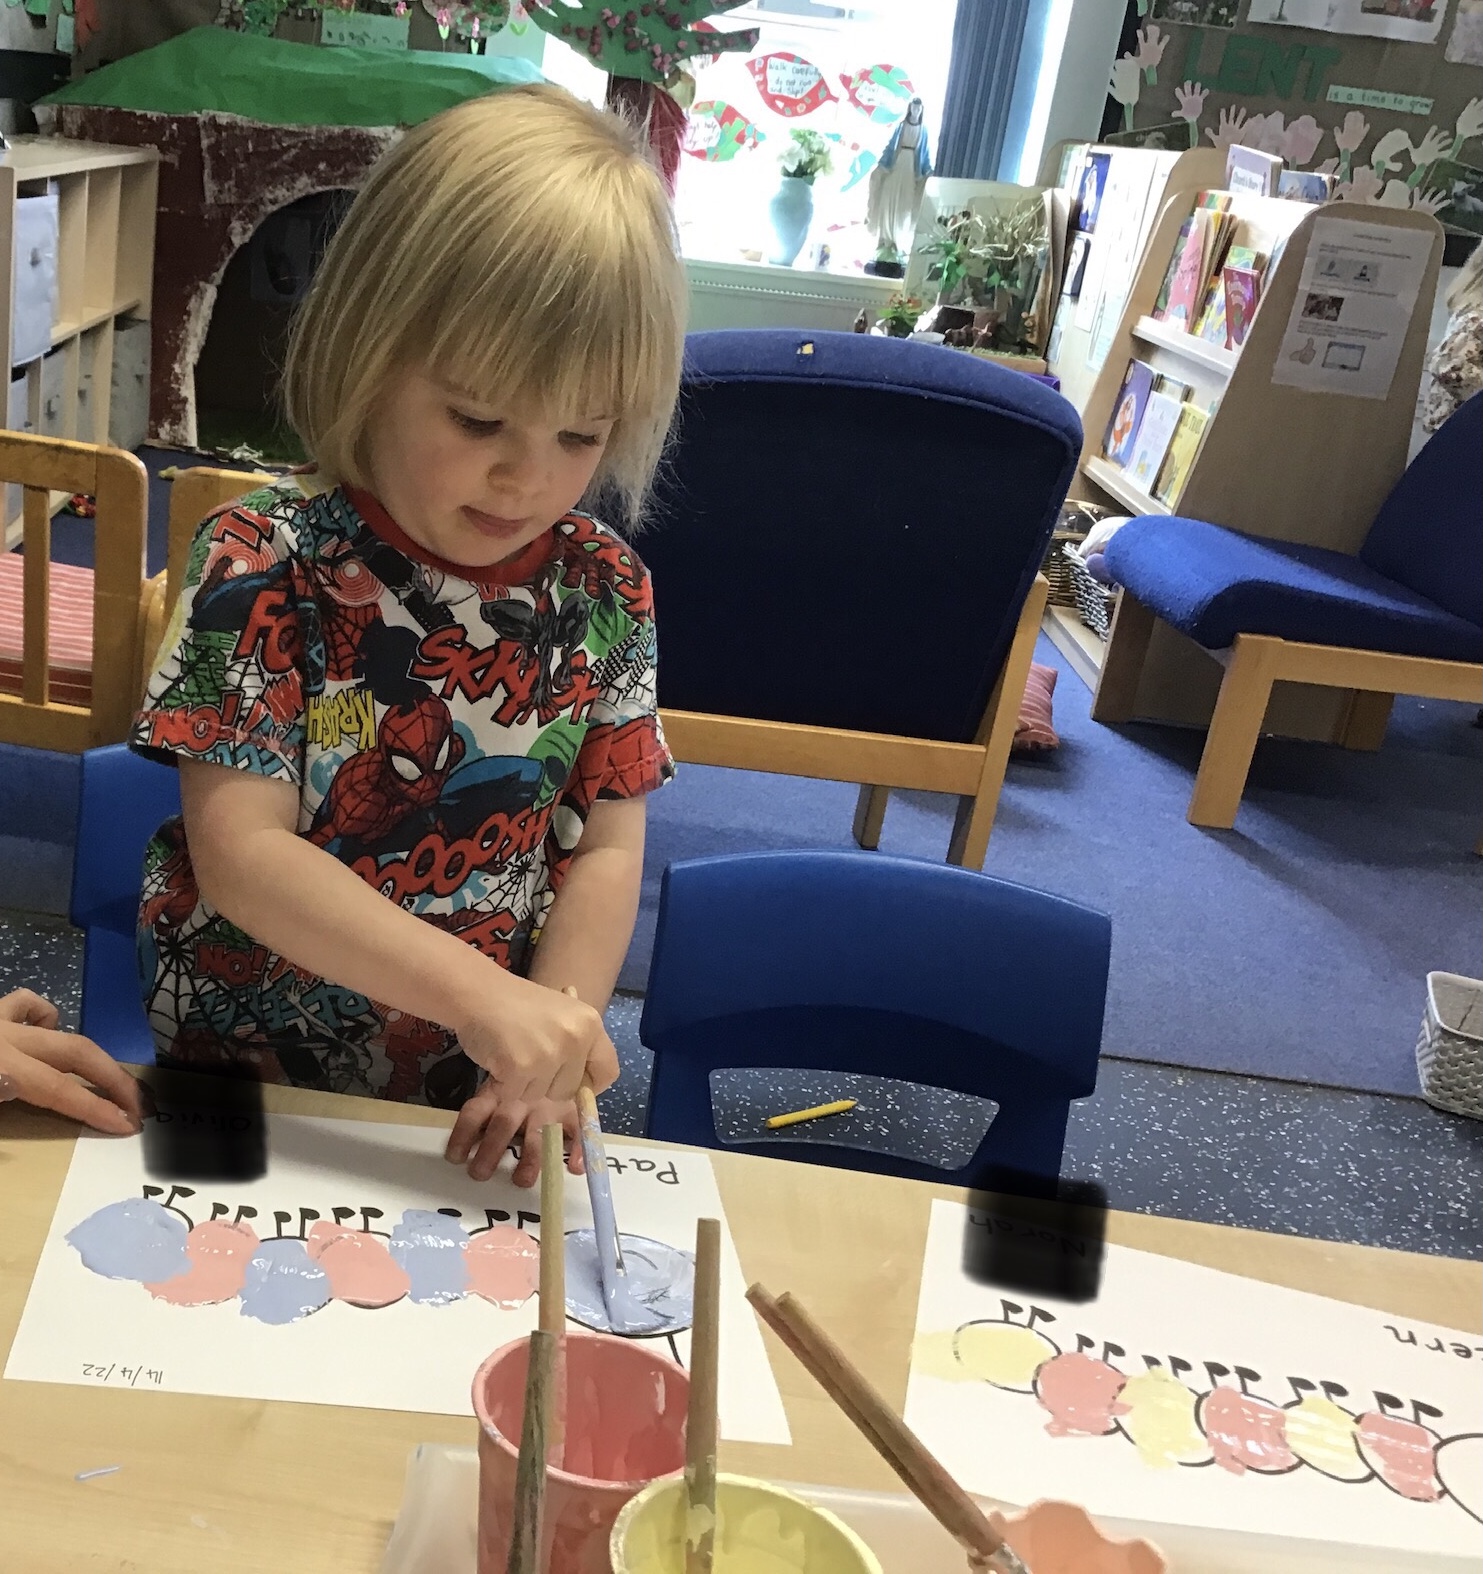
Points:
point(1061, 1538)
point(624, 1409)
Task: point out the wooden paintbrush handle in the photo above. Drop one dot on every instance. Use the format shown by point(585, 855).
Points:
point(553, 1234)
point(896, 1443)
point(700, 1420)
point(526, 1533)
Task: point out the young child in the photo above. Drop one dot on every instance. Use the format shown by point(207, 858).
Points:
point(411, 692)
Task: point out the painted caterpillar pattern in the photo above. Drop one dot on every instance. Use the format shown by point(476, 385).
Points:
point(426, 1257)
point(1176, 1424)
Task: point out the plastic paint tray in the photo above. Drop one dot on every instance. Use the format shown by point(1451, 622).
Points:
point(434, 1533)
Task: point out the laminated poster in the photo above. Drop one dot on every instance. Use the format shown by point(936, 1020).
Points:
point(1353, 307)
point(411, 1273)
point(1182, 1395)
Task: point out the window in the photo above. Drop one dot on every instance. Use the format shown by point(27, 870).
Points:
point(737, 129)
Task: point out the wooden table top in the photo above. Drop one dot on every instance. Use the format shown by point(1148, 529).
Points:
point(226, 1485)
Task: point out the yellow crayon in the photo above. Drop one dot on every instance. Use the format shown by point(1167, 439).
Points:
point(838, 1107)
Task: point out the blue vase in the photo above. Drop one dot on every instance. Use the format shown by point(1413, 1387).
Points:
point(791, 211)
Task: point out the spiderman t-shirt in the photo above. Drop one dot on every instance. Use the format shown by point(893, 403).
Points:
point(447, 736)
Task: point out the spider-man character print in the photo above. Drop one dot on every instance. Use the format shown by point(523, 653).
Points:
point(447, 732)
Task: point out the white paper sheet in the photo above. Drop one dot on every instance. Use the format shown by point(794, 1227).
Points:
point(1353, 308)
point(1039, 1430)
point(81, 1328)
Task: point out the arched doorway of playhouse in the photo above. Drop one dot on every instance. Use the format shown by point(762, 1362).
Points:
point(241, 357)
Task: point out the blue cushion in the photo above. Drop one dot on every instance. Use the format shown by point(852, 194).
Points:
point(1428, 534)
point(1213, 584)
point(847, 526)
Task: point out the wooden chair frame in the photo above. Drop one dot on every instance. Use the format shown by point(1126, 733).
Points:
point(974, 771)
point(117, 481)
point(1252, 665)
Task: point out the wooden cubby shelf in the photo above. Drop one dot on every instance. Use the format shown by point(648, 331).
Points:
point(84, 254)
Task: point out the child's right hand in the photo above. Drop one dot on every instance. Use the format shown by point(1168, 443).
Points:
point(537, 1043)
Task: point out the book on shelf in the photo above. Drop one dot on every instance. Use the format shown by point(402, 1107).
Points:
point(1306, 185)
point(1155, 430)
point(1211, 324)
point(1198, 258)
point(1172, 386)
point(1127, 412)
point(1249, 169)
point(1184, 444)
point(1243, 293)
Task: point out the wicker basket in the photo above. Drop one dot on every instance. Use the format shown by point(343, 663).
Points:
point(1094, 602)
point(1057, 570)
point(1075, 522)
point(1449, 1053)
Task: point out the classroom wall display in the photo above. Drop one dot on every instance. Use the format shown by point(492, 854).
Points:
point(1465, 46)
point(1379, 94)
point(1414, 21)
point(1186, 1396)
point(362, 1269)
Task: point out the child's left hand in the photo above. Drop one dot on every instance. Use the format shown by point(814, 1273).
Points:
point(485, 1128)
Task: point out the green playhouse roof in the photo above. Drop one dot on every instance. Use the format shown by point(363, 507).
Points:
point(213, 70)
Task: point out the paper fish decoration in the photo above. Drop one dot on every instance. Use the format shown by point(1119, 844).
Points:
point(882, 92)
point(789, 84)
point(716, 131)
point(862, 160)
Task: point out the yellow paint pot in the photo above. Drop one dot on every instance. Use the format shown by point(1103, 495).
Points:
point(760, 1529)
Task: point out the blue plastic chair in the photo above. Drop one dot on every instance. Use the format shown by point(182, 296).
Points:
point(124, 801)
point(886, 967)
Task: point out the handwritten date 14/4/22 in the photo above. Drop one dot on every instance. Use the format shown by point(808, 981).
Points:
point(116, 1372)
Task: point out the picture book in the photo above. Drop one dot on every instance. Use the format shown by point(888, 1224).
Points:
point(1172, 386)
point(1127, 412)
point(1161, 305)
point(1152, 441)
point(1183, 446)
point(1189, 272)
point(1212, 324)
point(1249, 169)
point(1305, 185)
point(1242, 289)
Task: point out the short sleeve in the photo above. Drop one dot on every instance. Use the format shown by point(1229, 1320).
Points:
point(228, 686)
point(626, 719)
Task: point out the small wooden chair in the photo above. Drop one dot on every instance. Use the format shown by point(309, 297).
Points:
point(68, 681)
point(194, 494)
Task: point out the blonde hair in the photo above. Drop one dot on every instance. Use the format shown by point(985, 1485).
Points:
point(518, 247)
point(1466, 293)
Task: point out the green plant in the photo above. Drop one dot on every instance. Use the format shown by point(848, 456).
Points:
point(956, 246)
point(900, 315)
point(806, 155)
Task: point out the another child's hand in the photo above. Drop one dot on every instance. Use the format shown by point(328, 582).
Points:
point(539, 1044)
point(35, 1061)
point(486, 1125)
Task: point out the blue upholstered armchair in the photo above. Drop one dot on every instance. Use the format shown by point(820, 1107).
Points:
point(1404, 616)
point(845, 561)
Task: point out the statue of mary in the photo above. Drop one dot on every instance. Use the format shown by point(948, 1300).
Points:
point(896, 187)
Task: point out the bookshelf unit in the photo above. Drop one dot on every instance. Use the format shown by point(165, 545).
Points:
point(1172, 176)
point(90, 266)
point(1276, 461)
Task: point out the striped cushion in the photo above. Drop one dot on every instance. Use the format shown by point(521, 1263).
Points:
point(71, 628)
point(1033, 732)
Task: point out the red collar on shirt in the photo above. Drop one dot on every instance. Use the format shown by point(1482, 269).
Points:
point(517, 569)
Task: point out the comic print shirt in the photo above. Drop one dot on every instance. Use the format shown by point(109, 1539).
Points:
point(447, 737)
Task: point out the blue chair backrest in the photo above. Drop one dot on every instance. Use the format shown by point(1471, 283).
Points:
point(124, 801)
point(847, 528)
point(1428, 534)
point(847, 962)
